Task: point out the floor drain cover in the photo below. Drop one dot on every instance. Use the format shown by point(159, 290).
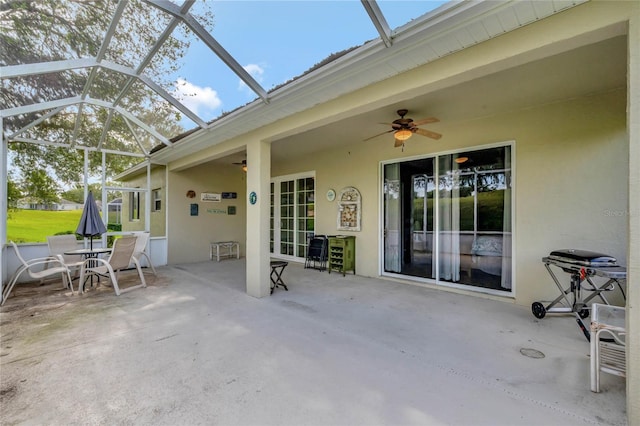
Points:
point(531, 353)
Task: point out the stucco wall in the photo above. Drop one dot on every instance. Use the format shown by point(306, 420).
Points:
point(190, 235)
point(571, 173)
point(158, 222)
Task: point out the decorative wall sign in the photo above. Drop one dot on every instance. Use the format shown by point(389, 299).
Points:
point(331, 195)
point(231, 210)
point(217, 211)
point(349, 206)
point(193, 208)
point(229, 195)
point(191, 194)
point(210, 197)
point(253, 197)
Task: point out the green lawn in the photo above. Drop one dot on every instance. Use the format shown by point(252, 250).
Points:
point(33, 226)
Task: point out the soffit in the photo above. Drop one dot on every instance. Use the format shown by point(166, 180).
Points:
point(587, 70)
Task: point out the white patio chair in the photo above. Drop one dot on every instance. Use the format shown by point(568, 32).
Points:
point(59, 244)
point(142, 239)
point(55, 267)
point(121, 257)
point(608, 342)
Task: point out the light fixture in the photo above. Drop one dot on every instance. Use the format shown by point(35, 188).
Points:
point(403, 134)
point(461, 160)
point(244, 167)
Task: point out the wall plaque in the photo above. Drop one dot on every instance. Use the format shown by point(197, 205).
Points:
point(349, 206)
point(210, 197)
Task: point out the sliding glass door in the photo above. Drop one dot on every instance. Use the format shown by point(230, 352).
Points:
point(392, 218)
point(449, 217)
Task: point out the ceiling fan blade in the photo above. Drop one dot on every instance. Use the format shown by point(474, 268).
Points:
point(379, 134)
point(428, 133)
point(426, 121)
point(398, 143)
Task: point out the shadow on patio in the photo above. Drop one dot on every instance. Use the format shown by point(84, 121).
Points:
point(193, 348)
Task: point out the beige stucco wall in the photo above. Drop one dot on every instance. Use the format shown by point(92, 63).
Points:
point(190, 235)
point(158, 222)
point(570, 166)
point(571, 174)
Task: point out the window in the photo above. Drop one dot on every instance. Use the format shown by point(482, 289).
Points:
point(156, 197)
point(134, 206)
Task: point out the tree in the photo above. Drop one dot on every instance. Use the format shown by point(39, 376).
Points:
point(41, 186)
point(13, 193)
point(36, 31)
point(77, 194)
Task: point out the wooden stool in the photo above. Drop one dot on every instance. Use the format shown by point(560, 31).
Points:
point(277, 267)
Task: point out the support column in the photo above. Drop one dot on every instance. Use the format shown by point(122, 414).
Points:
point(258, 208)
point(633, 250)
point(4, 167)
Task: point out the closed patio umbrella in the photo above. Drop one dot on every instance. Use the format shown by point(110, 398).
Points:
point(91, 224)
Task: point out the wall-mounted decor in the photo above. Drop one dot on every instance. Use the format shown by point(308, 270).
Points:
point(231, 210)
point(191, 194)
point(217, 211)
point(349, 207)
point(193, 208)
point(331, 195)
point(211, 197)
point(229, 195)
point(253, 197)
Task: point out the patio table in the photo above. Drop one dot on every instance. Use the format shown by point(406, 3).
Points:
point(90, 253)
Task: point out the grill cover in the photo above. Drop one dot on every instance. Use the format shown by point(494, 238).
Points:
point(583, 257)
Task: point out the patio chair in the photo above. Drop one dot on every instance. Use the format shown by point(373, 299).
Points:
point(120, 258)
point(55, 267)
point(59, 244)
point(608, 342)
point(142, 239)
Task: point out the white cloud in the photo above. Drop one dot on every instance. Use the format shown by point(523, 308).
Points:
point(197, 99)
point(256, 71)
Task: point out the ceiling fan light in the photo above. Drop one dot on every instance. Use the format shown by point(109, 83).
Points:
point(403, 134)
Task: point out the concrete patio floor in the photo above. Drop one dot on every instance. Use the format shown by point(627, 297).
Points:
point(193, 348)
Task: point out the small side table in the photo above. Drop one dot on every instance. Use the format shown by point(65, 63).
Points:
point(227, 246)
point(277, 268)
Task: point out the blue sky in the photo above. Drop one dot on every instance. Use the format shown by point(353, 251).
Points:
point(276, 41)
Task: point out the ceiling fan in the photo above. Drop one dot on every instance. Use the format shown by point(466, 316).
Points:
point(243, 164)
point(404, 128)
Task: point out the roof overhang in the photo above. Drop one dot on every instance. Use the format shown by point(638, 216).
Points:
point(449, 29)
